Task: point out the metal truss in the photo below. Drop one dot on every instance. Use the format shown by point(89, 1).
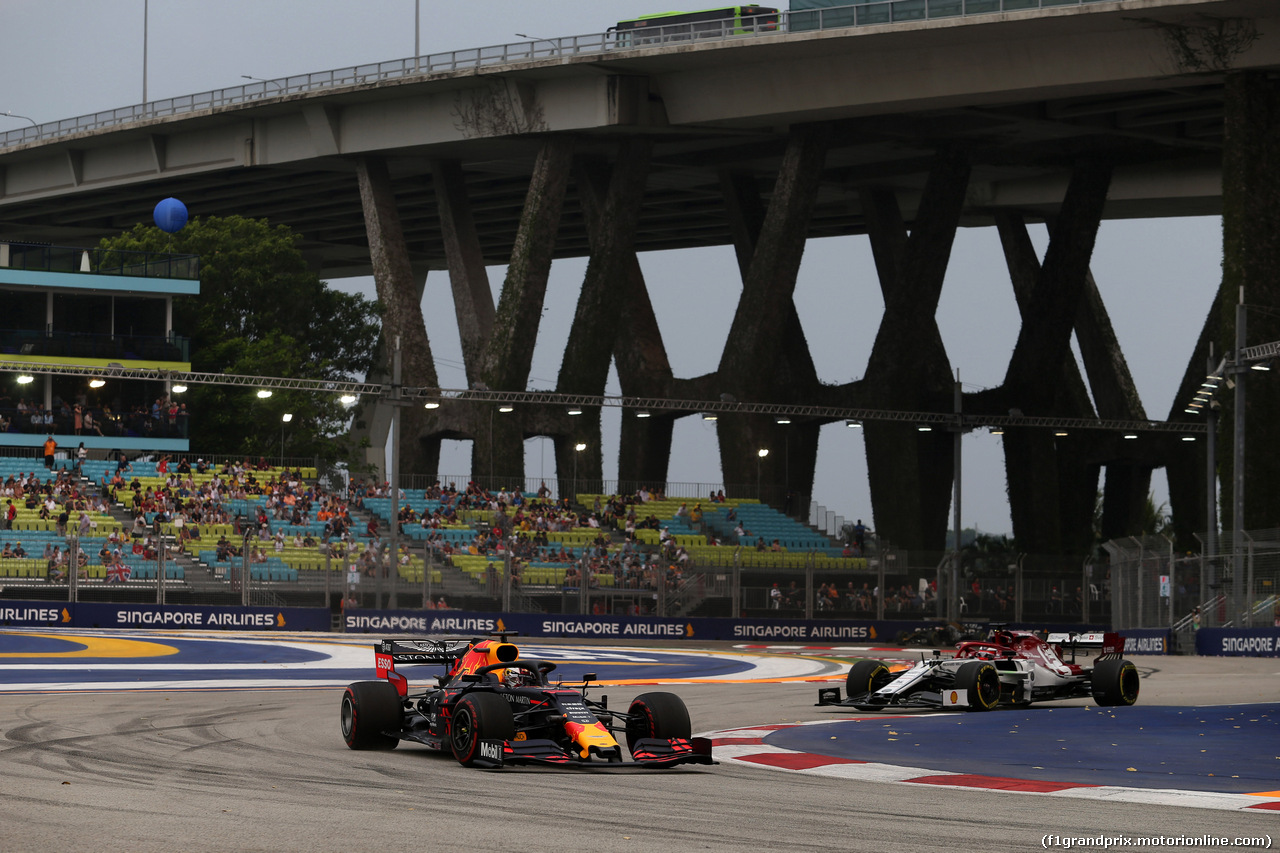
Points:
point(433, 397)
point(945, 420)
point(1261, 352)
point(178, 377)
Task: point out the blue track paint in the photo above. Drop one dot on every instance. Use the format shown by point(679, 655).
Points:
point(1226, 749)
point(143, 660)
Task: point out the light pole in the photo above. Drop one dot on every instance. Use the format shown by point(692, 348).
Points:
point(760, 455)
point(577, 448)
point(262, 80)
point(284, 419)
point(506, 410)
point(24, 118)
point(145, 18)
point(1237, 470)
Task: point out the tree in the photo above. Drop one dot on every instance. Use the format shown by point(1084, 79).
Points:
point(989, 556)
point(262, 312)
point(1154, 520)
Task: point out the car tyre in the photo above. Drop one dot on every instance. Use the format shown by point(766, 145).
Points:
point(477, 717)
point(657, 715)
point(982, 682)
point(369, 710)
point(1115, 682)
point(866, 677)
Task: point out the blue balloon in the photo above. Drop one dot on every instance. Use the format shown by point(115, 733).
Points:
point(171, 215)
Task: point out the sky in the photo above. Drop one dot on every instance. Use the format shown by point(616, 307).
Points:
point(65, 58)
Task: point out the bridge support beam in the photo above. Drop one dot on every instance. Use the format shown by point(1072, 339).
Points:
point(1189, 480)
point(1128, 476)
point(498, 447)
point(472, 300)
point(1251, 262)
point(910, 472)
point(1052, 493)
point(401, 298)
point(644, 370)
point(611, 200)
point(766, 356)
point(1128, 479)
point(784, 478)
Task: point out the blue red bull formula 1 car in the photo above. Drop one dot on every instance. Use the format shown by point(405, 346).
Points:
point(493, 708)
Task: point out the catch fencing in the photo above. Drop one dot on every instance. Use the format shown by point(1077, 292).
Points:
point(1234, 586)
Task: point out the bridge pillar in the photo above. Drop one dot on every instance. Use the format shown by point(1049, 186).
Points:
point(639, 354)
point(1128, 477)
point(1051, 495)
point(1186, 467)
point(401, 298)
point(472, 300)
point(910, 472)
point(1251, 261)
point(644, 448)
point(785, 476)
point(498, 444)
point(766, 357)
point(611, 201)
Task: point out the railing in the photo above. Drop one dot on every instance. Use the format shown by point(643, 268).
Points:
point(495, 56)
point(89, 345)
point(56, 422)
point(531, 485)
point(43, 258)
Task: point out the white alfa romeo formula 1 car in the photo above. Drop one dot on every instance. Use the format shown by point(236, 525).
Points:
point(1008, 668)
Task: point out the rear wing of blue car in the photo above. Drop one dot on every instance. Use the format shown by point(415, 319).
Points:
point(439, 652)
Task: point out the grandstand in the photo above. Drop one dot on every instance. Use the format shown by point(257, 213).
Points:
point(660, 556)
point(461, 548)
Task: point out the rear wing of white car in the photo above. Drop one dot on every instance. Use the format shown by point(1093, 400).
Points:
point(1109, 642)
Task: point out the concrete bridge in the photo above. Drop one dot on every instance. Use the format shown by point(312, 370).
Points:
point(1066, 114)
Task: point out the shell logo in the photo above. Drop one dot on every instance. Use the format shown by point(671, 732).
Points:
point(955, 697)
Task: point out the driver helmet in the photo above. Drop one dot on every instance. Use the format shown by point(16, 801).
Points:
point(517, 677)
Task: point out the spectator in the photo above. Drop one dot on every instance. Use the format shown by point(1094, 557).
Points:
point(860, 536)
point(50, 447)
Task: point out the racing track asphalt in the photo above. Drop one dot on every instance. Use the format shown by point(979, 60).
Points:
point(171, 769)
